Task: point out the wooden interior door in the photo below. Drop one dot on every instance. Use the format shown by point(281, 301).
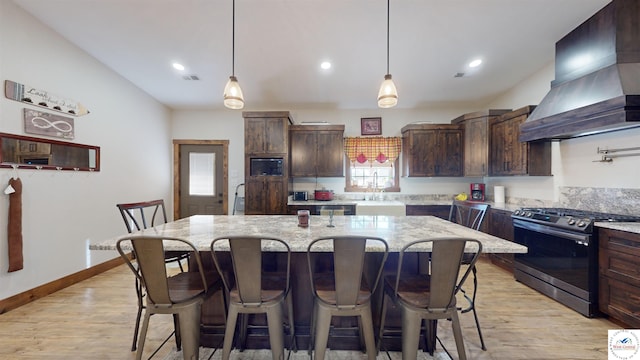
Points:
point(200, 177)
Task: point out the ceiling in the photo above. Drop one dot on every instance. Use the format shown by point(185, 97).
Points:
point(279, 45)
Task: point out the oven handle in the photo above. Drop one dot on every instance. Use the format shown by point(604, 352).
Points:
point(549, 230)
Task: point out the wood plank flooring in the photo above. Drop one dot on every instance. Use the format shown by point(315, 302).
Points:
point(94, 320)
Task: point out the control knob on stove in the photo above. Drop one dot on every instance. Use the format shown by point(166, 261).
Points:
point(529, 214)
point(582, 223)
point(571, 221)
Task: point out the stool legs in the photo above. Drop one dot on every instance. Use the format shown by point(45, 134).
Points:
point(230, 330)
point(367, 329)
point(321, 333)
point(276, 331)
point(190, 331)
point(293, 345)
point(411, 323)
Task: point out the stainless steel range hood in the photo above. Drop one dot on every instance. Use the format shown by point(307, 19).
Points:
point(597, 78)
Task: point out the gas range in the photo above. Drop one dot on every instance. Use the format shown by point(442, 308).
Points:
point(570, 219)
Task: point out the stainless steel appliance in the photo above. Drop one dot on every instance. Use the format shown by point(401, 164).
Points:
point(562, 257)
point(267, 166)
point(300, 196)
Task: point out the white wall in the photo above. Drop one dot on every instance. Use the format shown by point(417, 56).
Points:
point(63, 210)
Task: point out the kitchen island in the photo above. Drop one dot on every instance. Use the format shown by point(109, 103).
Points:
point(397, 230)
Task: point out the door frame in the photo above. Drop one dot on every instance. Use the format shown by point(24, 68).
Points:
point(176, 172)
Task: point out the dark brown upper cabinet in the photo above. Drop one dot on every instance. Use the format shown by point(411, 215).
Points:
point(266, 132)
point(476, 140)
point(432, 150)
point(508, 156)
point(317, 150)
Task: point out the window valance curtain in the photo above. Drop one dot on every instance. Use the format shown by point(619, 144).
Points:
point(380, 149)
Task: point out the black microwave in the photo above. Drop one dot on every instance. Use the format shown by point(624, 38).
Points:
point(266, 166)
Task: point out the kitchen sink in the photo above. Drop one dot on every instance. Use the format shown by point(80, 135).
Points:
point(388, 208)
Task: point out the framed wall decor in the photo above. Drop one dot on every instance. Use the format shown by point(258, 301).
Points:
point(371, 126)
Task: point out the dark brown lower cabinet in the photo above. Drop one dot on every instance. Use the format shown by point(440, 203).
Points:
point(501, 225)
point(265, 195)
point(619, 275)
point(441, 211)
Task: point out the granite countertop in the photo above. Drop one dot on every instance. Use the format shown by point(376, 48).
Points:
point(396, 230)
point(622, 226)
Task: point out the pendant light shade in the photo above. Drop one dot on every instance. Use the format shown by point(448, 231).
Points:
point(388, 94)
point(233, 98)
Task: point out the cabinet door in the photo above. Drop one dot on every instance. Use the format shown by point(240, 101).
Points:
point(303, 153)
point(422, 158)
point(619, 275)
point(516, 151)
point(254, 197)
point(265, 136)
point(498, 149)
point(501, 225)
point(476, 147)
point(330, 154)
point(276, 135)
point(266, 195)
point(276, 196)
point(449, 153)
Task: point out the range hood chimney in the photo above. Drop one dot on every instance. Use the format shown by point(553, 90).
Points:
point(597, 78)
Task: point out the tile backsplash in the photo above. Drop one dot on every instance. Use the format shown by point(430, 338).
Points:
point(609, 200)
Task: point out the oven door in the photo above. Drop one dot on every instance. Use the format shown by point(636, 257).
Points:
point(559, 263)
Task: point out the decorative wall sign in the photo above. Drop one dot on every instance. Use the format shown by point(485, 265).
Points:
point(36, 122)
point(371, 126)
point(30, 95)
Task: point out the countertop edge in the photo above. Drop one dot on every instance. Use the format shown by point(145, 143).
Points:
point(621, 226)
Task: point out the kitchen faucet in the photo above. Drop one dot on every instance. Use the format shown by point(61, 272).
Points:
point(375, 187)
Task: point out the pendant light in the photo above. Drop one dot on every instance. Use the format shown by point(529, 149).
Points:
point(233, 98)
point(388, 95)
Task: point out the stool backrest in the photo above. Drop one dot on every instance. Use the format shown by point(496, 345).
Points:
point(444, 265)
point(467, 213)
point(141, 215)
point(246, 254)
point(151, 267)
point(348, 266)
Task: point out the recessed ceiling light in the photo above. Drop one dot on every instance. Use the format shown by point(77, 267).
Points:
point(325, 65)
point(475, 63)
point(177, 66)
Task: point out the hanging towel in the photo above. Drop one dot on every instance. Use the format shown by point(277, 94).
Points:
point(15, 226)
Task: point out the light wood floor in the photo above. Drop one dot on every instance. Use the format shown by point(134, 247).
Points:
point(94, 320)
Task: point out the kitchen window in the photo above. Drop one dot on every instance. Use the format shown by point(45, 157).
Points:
point(373, 164)
point(373, 177)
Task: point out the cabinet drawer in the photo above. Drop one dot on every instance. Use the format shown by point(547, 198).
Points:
point(620, 241)
point(620, 300)
point(620, 266)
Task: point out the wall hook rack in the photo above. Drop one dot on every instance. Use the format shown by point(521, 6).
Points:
point(609, 154)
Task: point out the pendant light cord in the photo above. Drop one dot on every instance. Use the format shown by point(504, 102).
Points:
point(233, 39)
point(388, 2)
